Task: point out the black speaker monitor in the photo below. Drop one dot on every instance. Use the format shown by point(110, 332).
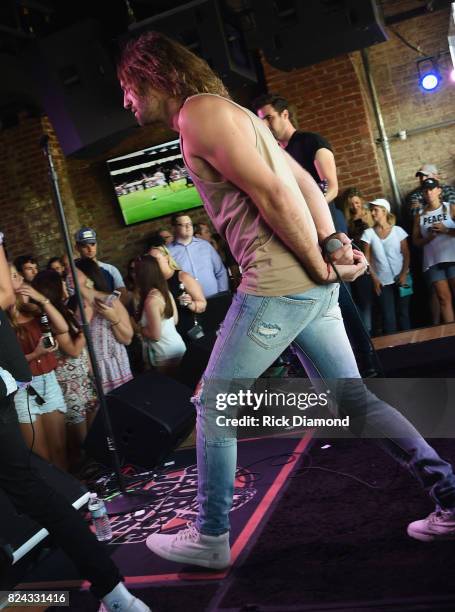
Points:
point(151, 415)
point(294, 34)
point(77, 83)
point(208, 29)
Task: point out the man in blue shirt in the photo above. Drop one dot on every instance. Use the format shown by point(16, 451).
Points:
point(197, 257)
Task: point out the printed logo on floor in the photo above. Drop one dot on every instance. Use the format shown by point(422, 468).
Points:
point(174, 506)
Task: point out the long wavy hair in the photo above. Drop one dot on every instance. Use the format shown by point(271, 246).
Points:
point(49, 283)
point(352, 192)
point(93, 271)
point(148, 277)
point(154, 60)
point(28, 309)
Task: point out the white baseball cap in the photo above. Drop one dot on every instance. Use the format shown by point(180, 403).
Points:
point(380, 202)
point(426, 170)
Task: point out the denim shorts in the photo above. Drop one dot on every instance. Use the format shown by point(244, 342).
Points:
point(49, 389)
point(439, 272)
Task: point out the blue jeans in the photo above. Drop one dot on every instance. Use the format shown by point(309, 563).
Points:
point(255, 332)
point(394, 309)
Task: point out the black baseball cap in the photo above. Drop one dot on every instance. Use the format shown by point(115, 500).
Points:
point(430, 183)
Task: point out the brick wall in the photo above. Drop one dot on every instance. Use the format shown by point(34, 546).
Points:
point(331, 98)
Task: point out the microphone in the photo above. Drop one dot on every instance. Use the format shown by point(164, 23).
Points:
point(38, 399)
point(332, 245)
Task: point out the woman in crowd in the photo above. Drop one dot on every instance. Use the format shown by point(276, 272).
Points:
point(358, 219)
point(434, 230)
point(184, 288)
point(131, 303)
point(110, 326)
point(387, 250)
point(41, 407)
point(158, 316)
point(73, 367)
point(58, 265)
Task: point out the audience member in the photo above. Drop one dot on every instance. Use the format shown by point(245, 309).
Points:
point(58, 265)
point(134, 348)
point(186, 290)
point(27, 267)
point(358, 219)
point(158, 317)
point(311, 150)
point(415, 200)
point(203, 231)
point(41, 407)
point(31, 494)
point(166, 235)
point(110, 326)
point(73, 367)
point(87, 246)
point(387, 251)
point(197, 257)
point(434, 230)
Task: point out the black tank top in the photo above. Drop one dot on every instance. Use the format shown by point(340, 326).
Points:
point(186, 317)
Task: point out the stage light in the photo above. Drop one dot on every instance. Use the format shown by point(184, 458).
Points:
point(430, 81)
point(429, 73)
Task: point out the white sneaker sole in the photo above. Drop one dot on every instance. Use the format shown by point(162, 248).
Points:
point(427, 537)
point(179, 558)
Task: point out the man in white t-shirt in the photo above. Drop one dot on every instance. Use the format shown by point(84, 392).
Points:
point(87, 247)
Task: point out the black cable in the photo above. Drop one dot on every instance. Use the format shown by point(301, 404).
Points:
point(33, 431)
point(405, 42)
point(301, 471)
point(362, 325)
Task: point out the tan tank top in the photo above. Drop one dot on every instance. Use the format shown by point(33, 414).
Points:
point(269, 268)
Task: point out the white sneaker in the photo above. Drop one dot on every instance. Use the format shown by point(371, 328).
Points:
point(439, 525)
point(121, 600)
point(191, 547)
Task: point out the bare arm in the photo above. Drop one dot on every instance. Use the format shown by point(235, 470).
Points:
point(313, 197)
point(152, 308)
point(417, 237)
point(6, 290)
point(219, 145)
point(119, 318)
point(71, 346)
point(404, 247)
point(368, 254)
point(326, 167)
point(193, 288)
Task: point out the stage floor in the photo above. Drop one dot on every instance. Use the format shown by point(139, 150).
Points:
point(317, 526)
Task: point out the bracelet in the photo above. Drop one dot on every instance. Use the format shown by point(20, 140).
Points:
point(116, 323)
point(2, 238)
point(46, 301)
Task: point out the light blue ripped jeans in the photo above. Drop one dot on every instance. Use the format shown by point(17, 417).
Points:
point(255, 332)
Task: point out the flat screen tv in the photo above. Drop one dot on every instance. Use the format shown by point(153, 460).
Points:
point(152, 183)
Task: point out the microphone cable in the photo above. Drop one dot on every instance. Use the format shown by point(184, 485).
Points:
point(331, 245)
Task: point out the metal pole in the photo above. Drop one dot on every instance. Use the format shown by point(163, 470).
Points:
point(128, 500)
point(381, 129)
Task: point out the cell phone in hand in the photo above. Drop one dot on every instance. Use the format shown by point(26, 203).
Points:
point(113, 296)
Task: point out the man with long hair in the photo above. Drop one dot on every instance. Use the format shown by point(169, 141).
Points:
point(274, 218)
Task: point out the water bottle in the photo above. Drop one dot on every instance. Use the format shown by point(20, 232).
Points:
point(100, 518)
